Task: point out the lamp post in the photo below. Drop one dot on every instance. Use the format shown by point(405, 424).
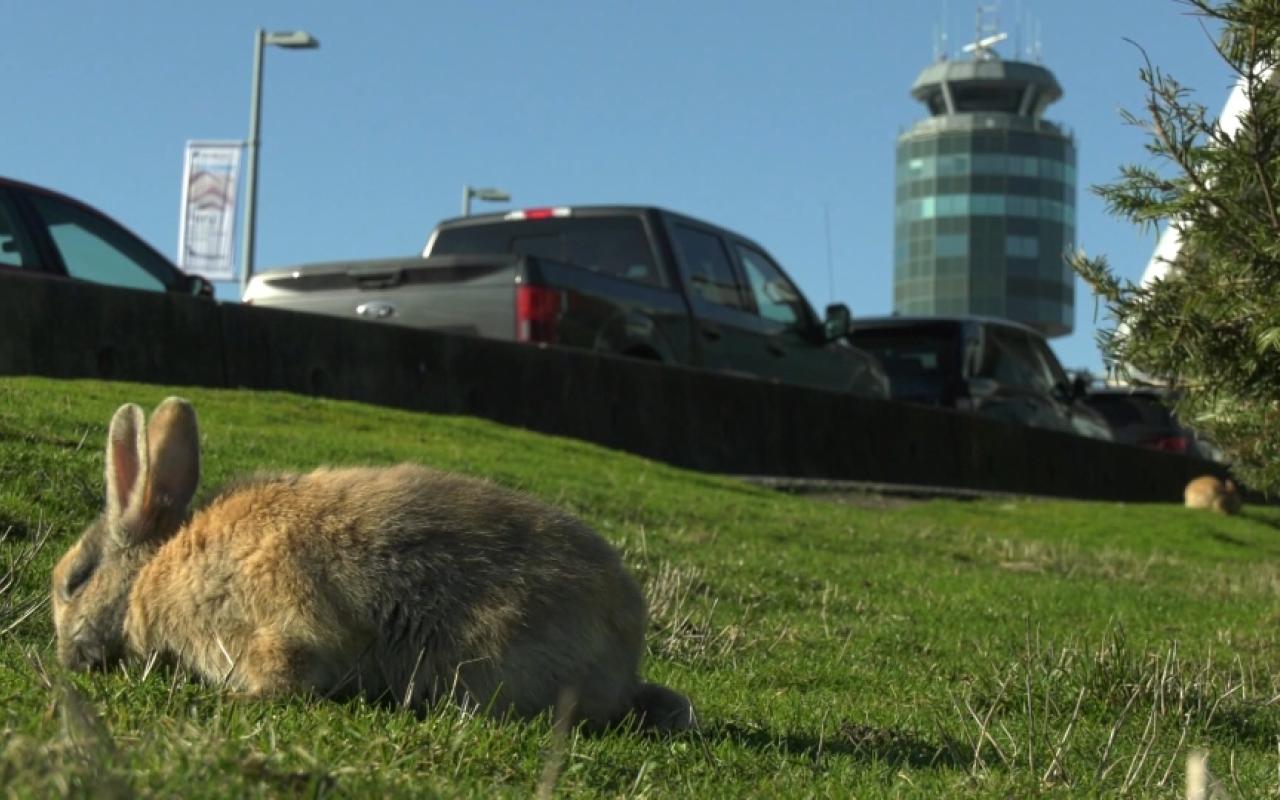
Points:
point(293, 40)
point(490, 194)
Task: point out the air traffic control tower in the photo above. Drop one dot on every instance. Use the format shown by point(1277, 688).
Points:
point(985, 198)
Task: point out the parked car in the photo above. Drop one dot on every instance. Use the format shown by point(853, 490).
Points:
point(49, 234)
point(991, 366)
point(1143, 416)
point(628, 280)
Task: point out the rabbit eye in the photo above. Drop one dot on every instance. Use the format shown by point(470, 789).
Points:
point(79, 576)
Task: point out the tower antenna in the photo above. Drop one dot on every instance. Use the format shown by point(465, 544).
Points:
point(986, 36)
point(946, 25)
point(1017, 30)
point(831, 273)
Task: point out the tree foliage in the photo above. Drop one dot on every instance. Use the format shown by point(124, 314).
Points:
point(1211, 328)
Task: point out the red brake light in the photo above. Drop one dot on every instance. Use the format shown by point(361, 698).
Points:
point(537, 309)
point(539, 213)
point(1169, 444)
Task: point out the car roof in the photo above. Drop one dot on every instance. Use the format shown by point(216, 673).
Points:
point(589, 210)
point(593, 209)
point(14, 183)
point(23, 186)
point(896, 321)
point(602, 210)
point(1130, 391)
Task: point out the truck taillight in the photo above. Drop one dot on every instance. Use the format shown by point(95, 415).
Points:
point(537, 309)
point(1173, 443)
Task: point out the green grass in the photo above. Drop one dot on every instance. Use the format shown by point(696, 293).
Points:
point(933, 649)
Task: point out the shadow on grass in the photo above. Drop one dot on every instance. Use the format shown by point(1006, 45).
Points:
point(1268, 547)
point(14, 528)
point(1219, 536)
point(865, 743)
point(1260, 519)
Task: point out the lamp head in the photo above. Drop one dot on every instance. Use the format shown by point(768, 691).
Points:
point(294, 40)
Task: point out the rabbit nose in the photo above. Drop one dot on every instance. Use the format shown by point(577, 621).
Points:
point(84, 656)
point(73, 658)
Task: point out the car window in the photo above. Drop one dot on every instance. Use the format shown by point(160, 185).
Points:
point(1134, 409)
point(707, 267)
point(1118, 411)
point(777, 299)
point(1048, 361)
point(94, 249)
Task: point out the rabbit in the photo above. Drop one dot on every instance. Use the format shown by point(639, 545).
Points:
point(403, 582)
point(1208, 491)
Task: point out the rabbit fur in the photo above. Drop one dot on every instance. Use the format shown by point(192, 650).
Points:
point(1210, 492)
point(404, 583)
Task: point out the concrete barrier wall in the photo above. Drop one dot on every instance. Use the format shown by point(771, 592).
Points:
point(681, 416)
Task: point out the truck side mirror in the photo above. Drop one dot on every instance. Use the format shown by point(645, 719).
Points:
point(1079, 387)
point(983, 388)
point(837, 321)
point(1071, 390)
point(201, 287)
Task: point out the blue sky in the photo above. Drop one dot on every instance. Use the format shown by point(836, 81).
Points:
point(762, 117)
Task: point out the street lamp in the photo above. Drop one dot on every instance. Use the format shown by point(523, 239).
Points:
point(490, 194)
point(292, 40)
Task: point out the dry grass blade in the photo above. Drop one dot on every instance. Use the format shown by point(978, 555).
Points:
point(1103, 766)
point(558, 749)
point(17, 607)
point(681, 613)
point(1055, 765)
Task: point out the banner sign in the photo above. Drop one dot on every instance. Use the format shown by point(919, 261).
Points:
point(206, 233)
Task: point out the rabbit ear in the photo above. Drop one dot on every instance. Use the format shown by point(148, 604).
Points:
point(174, 453)
point(126, 466)
point(152, 473)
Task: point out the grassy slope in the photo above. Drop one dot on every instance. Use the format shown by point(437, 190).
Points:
point(944, 648)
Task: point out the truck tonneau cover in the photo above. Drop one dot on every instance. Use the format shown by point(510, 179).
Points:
point(383, 272)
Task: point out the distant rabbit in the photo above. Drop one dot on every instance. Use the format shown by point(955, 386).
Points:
point(403, 583)
point(1208, 491)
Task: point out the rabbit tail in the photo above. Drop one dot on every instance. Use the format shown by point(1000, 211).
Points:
point(662, 709)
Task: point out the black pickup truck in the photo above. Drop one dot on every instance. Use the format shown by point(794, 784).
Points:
point(635, 281)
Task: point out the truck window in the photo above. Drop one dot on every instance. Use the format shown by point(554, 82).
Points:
point(777, 299)
point(614, 246)
point(707, 267)
point(1010, 358)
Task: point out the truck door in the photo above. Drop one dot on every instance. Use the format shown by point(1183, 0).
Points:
point(1023, 382)
point(795, 347)
point(726, 331)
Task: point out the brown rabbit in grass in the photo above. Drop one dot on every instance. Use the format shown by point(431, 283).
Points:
point(403, 583)
point(1208, 491)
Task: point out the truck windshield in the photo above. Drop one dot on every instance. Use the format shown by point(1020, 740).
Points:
point(615, 246)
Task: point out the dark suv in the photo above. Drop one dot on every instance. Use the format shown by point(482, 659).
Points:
point(1142, 415)
point(994, 367)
